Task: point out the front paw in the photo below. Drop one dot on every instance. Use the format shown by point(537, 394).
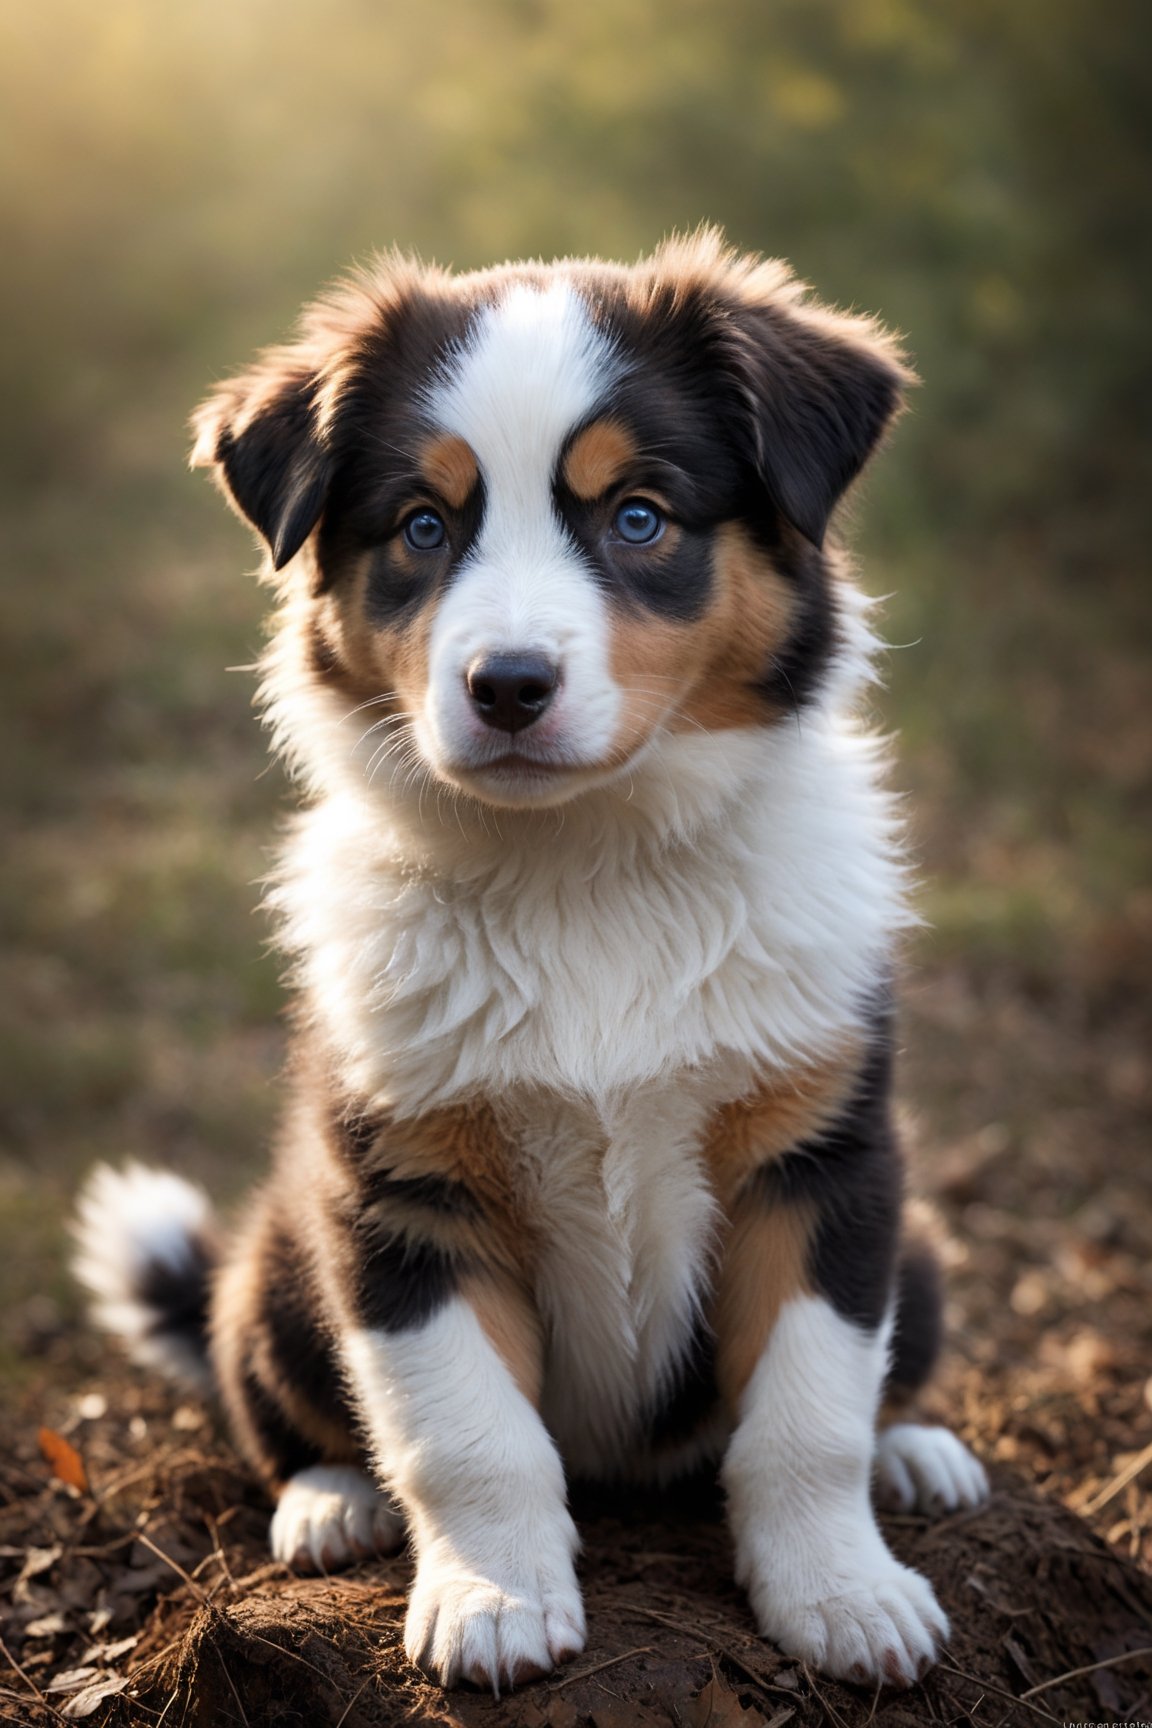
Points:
point(873, 1622)
point(494, 1627)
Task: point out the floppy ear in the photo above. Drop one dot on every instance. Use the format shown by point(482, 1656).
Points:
point(821, 388)
point(259, 433)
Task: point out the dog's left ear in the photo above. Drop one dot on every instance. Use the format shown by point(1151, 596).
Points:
point(820, 389)
point(259, 433)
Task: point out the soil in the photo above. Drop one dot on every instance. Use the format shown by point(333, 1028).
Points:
point(145, 1595)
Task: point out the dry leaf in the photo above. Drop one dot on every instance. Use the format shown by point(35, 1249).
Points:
point(86, 1703)
point(37, 1560)
point(66, 1462)
point(717, 1706)
point(70, 1679)
point(49, 1626)
point(111, 1652)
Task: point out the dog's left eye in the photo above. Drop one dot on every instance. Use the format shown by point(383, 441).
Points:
point(638, 523)
point(425, 531)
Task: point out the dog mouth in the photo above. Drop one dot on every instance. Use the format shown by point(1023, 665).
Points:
point(517, 763)
point(517, 778)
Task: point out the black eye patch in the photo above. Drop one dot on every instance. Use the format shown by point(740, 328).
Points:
point(641, 556)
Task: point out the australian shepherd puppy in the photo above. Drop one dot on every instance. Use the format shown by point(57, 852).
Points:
point(588, 1161)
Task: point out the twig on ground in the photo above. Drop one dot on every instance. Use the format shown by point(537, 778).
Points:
point(830, 1711)
point(232, 1689)
point(1089, 1668)
point(197, 1589)
point(1119, 1482)
point(583, 1673)
point(29, 1682)
point(997, 1691)
point(707, 1638)
point(344, 1714)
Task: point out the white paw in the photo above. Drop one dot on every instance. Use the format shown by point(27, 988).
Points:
point(492, 1627)
point(926, 1470)
point(880, 1624)
point(331, 1516)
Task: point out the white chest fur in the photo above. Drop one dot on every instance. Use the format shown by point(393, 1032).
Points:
point(738, 908)
point(624, 1217)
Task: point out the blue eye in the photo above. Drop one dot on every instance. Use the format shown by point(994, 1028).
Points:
point(425, 531)
point(638, 523)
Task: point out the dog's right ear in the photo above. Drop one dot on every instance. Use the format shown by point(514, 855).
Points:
point(259, 433)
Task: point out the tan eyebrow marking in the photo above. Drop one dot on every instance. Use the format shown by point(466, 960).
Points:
point(450, 467)
point(599, 457)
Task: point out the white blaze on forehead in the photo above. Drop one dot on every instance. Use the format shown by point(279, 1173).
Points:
point(533, 368)
point(531, 372)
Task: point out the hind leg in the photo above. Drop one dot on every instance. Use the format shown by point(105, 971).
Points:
point(922, 1469)
point(917, 1467)
point(286, 1403)
point(331, 1516)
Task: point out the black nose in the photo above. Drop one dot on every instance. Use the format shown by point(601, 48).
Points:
point(510, 691)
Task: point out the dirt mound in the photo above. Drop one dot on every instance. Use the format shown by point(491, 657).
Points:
point(145, 1594)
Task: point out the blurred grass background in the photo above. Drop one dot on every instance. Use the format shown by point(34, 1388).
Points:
point(174, 181)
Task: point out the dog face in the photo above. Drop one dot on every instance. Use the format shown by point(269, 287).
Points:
point(541, 515)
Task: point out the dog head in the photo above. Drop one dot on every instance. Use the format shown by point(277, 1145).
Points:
point(541, 515)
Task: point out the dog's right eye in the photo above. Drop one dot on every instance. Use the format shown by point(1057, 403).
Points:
point(424, 531)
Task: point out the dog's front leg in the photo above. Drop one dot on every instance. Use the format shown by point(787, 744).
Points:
point(803, 1325)
point(449, 1406)
point(823, 1584)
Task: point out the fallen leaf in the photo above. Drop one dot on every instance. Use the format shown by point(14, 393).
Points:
point(37, 1560)
point(110, 1652)
point(48, 1626)
point(717, 1706)
point(1019, 1658)
point(67, 1464)
point(70, 1679)
point(86, 1703)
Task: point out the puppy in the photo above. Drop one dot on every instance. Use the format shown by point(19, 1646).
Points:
point(588, 1160)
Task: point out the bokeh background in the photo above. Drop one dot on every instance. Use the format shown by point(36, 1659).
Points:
point(175, 180)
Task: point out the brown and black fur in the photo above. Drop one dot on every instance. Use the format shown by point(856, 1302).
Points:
point(743, 414)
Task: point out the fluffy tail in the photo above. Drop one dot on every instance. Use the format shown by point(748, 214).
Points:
point(145, 1251)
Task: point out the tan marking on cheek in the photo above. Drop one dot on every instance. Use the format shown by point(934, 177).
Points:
point(703, 673)
point(748, 621)
point(599, 459)
point(651, 660)
point(513, 1329)
point(385, 665)
point(450, 468)
point(764, 1266)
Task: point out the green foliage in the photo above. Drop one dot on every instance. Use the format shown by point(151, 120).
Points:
point(175, 180)
point(178, 180)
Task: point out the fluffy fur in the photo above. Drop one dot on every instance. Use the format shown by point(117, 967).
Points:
point(591, 909)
